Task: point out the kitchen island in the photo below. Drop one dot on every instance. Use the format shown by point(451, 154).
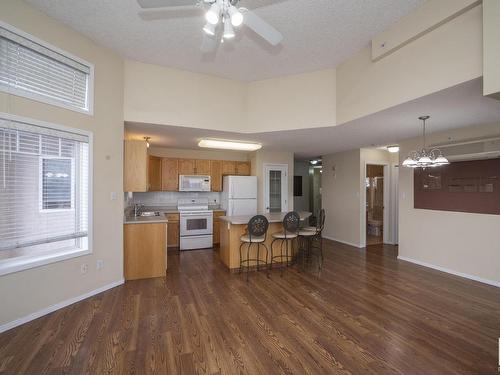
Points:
point(233, 227)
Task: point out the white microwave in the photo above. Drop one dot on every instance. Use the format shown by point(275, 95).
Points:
point(194, 183)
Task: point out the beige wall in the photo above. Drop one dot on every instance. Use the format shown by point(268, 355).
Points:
point(461, 242)
point(198, 154)
point(341, 196)
point(159, 95)
point(292, 102)
point(491, 50)
point(29, 291)
point(447, 56)
point(261, 157)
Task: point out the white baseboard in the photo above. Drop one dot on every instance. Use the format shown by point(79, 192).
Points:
point(341, 241)
point(57, 306)
point(447, 270)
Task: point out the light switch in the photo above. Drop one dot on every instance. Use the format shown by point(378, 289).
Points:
point(113, 195)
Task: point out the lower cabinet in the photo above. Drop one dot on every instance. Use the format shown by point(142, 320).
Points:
point(217, 224)
point(145, 250)
point(173, 230)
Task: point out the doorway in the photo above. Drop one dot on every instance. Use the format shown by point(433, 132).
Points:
point(374, 204)
point(276, 187)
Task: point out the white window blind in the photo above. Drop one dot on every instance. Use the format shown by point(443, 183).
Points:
point(44, 190)
point(30, 69)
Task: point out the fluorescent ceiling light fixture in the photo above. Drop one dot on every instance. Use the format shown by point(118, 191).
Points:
point(393, 149)
point(229, 145)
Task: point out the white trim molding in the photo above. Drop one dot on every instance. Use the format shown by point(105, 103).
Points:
point(57, 306)
point(452, 272)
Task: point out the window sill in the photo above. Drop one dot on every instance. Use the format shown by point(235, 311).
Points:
point(8, 266)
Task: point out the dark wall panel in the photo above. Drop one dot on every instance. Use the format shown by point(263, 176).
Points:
point(467, 186)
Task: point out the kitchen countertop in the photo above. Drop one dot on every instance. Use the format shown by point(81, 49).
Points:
point(130, 219)
point(272, 217)
point(145, 219)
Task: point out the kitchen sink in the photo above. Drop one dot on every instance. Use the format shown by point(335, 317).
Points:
point(150, 213)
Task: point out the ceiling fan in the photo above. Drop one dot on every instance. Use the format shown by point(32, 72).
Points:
point(222, 17)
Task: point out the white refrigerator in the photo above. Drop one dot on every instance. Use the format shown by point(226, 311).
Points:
point(239, 195)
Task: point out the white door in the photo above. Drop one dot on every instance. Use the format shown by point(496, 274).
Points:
point(243, 187)
point(276, 187)
point(242, 207)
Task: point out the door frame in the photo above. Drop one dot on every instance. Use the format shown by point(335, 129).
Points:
point(284, 185)
point(387, 204)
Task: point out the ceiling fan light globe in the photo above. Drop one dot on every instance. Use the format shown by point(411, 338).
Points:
point(236, 16)
point(209, 29)
point(228, 30)
point(213, 14)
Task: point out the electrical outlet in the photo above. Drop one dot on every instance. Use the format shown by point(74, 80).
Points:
point(100, 264)
point(84, 268)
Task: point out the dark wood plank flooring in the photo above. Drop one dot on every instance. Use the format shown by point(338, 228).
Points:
point(364, 313)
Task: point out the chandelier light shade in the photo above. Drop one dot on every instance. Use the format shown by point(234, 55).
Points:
point(213, 14)
point(425, 158)
point(230, 15)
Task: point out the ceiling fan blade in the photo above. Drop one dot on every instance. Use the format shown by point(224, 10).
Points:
point(149, 4)
point(173, 12)
point(261, 27)
point(209, 44)
point(253, 4)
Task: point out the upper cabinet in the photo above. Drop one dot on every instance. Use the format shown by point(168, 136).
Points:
point(135, 171)
point(187, 166)
point(216, 175)
point(228, 168)
point(169, 174)
point(243, 168)
point(143, 172)
point(154, 173)
point(202, 167)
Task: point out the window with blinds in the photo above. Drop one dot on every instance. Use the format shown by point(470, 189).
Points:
point(44, 190)
point(38, 71)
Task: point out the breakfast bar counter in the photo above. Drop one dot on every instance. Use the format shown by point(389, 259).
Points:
point(233, 227)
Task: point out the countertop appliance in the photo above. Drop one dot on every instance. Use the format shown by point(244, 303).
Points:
point(194, 183)
point(196, 224)
point(239, 195)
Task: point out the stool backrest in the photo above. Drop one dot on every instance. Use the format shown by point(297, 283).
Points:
point(321, 221)
point(257, 226)
point(291, 222)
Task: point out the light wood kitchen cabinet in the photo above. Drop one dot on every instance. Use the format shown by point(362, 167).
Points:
point(173, 230)
point(202, 167)
point(169, 174)
point(145, 248)
point(243, 168)
point(135, 166)
point(228, 168)
point(187, 166)
point(217, 224)
point(154, 173)
point(216, 175)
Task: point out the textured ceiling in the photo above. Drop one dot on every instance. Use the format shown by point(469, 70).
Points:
point(456, 107)
point(317, 34)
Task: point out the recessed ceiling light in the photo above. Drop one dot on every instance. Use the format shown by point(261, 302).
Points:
point(393, 149)
point(229, 145)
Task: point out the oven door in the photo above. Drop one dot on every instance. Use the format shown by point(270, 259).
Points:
point(196, 223)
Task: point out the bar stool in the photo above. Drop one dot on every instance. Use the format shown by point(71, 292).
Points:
point(309, 235)
point(257, 233)
point(291, 223)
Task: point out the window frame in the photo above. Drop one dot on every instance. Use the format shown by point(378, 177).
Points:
point(40, 184)
point(25, 262)
point(42, 98)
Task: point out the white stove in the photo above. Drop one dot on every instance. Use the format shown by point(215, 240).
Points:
point(196, 224)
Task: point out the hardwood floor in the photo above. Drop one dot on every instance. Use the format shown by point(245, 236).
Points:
point(364, 313)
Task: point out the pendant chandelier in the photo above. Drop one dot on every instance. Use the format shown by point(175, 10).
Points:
point(425, 158)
